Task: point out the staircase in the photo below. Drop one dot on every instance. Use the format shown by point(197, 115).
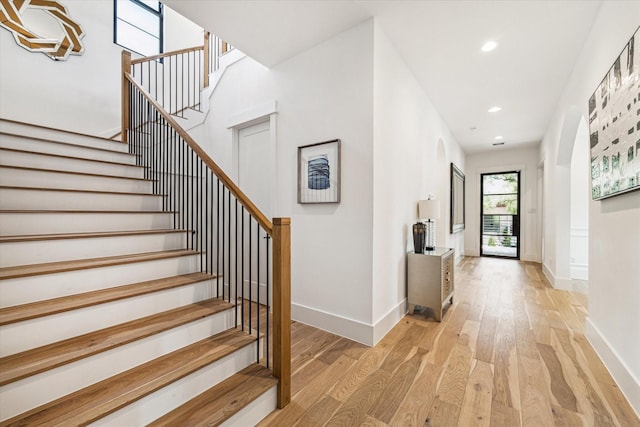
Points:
point(107, 316)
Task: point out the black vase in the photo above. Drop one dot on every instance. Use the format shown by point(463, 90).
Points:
point(419, 237)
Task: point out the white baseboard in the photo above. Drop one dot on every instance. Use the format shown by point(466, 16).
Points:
point(564, 283)
point(349, 328)
point(628, 384)
point(472, 252)
point(548, 274)
point(580, 271)
point(389, 320)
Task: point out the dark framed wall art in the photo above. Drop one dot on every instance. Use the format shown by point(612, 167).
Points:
point(319, 172)
point(457, 200)
point(614, 126)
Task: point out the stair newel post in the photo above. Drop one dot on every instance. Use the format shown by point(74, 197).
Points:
point(126, 70)
point(282, 308)
point(205, 71)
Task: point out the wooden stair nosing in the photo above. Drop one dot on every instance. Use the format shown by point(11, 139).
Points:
point(20, 313)
point(70, 132)
point(72, 190)
point(79, 211)
point(62, 156)
point(51, 141)
point(98, 175)
point(63, 236)
point(222, 401)
point(34, 361)
point(107, 396)
point(83, 264)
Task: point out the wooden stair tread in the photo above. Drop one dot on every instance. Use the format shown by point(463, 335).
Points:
point(34, 310)
point(222, 401)
point(30, 362)
point(62, 236)
point(73, 190)
point(83, 211)
point(99, 175)
point(83, 264)
point(40, 153)
point(51, 141)
point(107, 396)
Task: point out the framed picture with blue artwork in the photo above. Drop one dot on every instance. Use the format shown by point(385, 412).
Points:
point(319, 172)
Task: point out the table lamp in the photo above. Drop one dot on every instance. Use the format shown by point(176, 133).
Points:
point(429, 210)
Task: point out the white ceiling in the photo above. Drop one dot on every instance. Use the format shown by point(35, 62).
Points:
point(539, 42)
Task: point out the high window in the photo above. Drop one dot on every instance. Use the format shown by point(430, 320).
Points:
point(137, 26)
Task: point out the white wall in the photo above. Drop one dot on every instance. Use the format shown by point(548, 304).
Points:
point(180, 32)
point(613, 325)
point(580, 195)
point(82, 93)
point(503, 159)
point(316, 101)
point(408, 132)
point(348, 260)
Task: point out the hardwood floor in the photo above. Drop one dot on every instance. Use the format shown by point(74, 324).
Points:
point(509, 352)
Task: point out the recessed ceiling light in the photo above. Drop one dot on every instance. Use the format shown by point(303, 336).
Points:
point(494, 109)
point(489, 46)
point(499, 137)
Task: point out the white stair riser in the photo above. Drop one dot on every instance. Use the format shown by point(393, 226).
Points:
point(256, 411)
point(28, 393)
point(153, 406)
point(41, 251)
point(12, 224)
point(19, 143)
point(16, 198)
point(60, 135)
point(70, 181)
point(22, 336)
point(16, 158)
point(23, 290)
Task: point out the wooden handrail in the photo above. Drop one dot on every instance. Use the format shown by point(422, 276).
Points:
point(166, 54)
point(233, 188)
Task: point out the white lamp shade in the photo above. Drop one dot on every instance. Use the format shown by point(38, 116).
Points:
point(429, 209)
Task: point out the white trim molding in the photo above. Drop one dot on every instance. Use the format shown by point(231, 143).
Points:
point(364, 333)
point(565, 283)
point(628, 384)
point(349, 328)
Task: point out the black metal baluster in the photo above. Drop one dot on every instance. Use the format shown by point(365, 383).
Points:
point(174, 189)
point(224, 227)
point(218, 236)
point(236, 252)
point(229, 248)
point(250, 271)
point(266, 355)
point(206, 216)
point(258, 293)
point(242, 273)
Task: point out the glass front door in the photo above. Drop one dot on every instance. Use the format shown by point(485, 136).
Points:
point(500, 215)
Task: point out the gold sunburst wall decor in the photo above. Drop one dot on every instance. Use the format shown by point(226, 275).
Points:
point(20, 16)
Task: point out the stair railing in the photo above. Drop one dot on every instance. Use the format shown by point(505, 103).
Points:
point(250, 254)
point(175, 79)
